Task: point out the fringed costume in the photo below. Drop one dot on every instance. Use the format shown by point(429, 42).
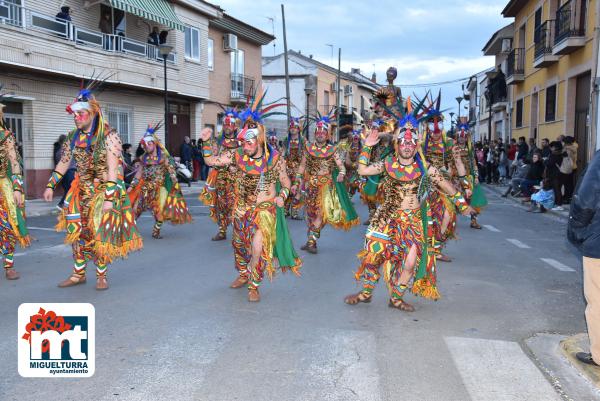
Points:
point(439, 152)
point(321, 174)
point(469, 182)
point(293, 156)
point(218, 191)
point(400, 236)
point(13, 229)
point(260, 232)
point(155, 186)
point(97, 213)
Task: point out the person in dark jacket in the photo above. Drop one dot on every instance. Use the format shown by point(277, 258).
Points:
point(545, 149)
point(186, 153)
point(534, 175)
point(553, 172)
point(522, 149)
point(64, 14)
point(583, 232)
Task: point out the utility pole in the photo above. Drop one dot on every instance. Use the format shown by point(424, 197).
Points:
point(287, 73)
point(337, 99)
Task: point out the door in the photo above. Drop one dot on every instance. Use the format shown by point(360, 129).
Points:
point(582, 98)
point(13, 116)
point(178, 126)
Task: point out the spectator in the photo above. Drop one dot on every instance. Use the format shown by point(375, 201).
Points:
point(69, 174)
point(162, 37)
point(561, 138)
point(186, 153)
point(518, 177)
point(503, 162)
point(534, 175)
point(512, 157)
point(105, 26)
point(543, 199)
point(489, 161)
point(522, 148)
point(205, 167)
point(545, 149)
point(127, 163)
point(198, 161)
point(532, 148)
point(480, 156)
point(582, 232)
point(553, 172)
point(64, 14)
point(154, 37)
point(571, 148)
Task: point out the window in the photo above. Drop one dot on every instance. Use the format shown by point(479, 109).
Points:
point(192, 43)
point(120, 118)
point(211, 55)
point(519, 114)
point(537, 24)
point(237, 62)
point(551, 103)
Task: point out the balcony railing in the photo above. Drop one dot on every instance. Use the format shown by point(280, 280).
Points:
point(515, 62)
point(241, 86)
point(570, 20)
point(14, 15)
point(544, 38)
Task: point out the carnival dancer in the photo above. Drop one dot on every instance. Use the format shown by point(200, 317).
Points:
point(155, 186)
point(440, 152)
point(97, 214)
point(400, 234)
point(294, 146)
point(352, 180)
point(469, 182)
point(322, 172)
point(260, 232)
point(13, 228)
point(218, 191)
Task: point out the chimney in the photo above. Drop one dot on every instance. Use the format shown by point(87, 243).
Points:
point(310, 56)
point(355, 70)
point(374, 78)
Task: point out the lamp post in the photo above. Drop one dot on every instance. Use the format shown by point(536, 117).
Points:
point(459, 99)
point(308, 92)
point(164, 51)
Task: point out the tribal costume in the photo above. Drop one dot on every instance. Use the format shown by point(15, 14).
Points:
point(322, 173)
point(13, 229)
point(260, 232)
point(155, 186)
point(439, 152)
point(350, 156)
point(218, 191)
point(293, 148)
point(469, 182)
point(401, 231)
point(97, 214)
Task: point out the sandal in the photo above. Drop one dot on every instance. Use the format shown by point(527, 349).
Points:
point(355, 299)
point(400, 304)
point(74, 279)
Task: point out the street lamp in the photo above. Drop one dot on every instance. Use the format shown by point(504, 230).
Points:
point(308, 92)
point(451, 121)
point(164, 51)
point(459, 99)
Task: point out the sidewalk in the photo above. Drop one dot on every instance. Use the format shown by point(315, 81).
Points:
point(501, 189)
point(37, 207)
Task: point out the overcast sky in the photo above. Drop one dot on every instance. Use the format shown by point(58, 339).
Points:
point(427, 41)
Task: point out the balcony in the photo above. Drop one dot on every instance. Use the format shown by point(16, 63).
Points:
point(570, 27)
point(20, 17)
point(544, 39)
point(500, 105)
point(241, 87)
point(515, 66)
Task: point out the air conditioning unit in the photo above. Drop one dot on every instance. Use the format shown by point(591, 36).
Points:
point(230, 42)
point(348, 89)
point(333, 87)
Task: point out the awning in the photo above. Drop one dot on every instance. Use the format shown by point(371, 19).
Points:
point(156, 10)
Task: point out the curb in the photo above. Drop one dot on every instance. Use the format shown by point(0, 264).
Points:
point(499, 191)
point(569, 348)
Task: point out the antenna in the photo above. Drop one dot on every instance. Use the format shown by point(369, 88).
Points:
point(272, 19)
point(331, 46)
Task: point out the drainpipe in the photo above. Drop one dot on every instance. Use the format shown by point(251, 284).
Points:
point(594, 118)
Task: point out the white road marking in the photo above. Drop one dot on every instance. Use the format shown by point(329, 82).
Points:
point(518, 243)
point(495, 370)
point(41, 228)
point(491, 228)
point(557, 265)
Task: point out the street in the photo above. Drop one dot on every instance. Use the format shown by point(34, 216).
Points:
point(169, 328)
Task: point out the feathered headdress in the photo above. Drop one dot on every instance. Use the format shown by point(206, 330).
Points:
point(324, 122)
point(435, 116)
point(85, 99)
point(3, 95)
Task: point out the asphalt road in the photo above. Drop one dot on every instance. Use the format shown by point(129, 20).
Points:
point(169, 328)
